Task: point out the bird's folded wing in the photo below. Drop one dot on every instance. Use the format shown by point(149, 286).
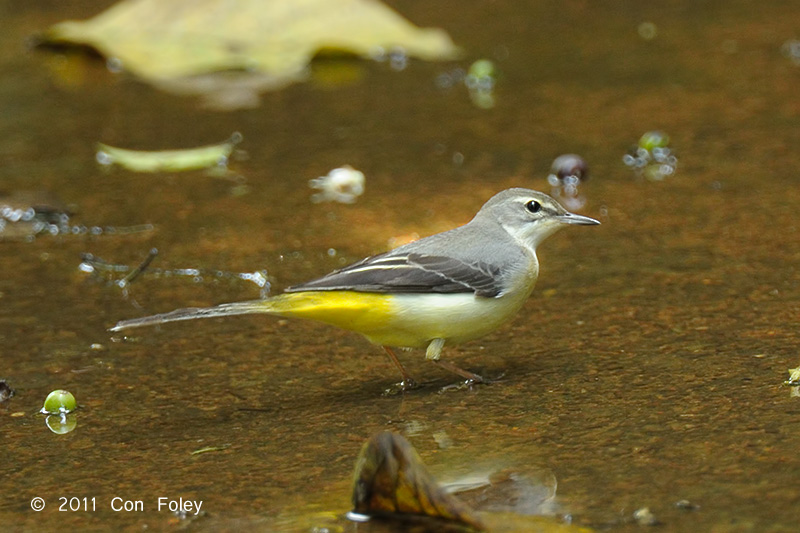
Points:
point(413, 272)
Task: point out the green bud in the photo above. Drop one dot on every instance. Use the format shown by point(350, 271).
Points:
point(654, 139)
point(482, 68)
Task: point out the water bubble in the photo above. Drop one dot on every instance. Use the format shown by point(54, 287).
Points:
point(114, 64)
point(660, 154)
point(570, 165)
point(444, 81)
point(791, 49)
point(398, 59)
point(103, 158)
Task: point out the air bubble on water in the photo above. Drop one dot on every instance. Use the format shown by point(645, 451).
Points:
point(572, 180)
point(398, 59)
point(114, 64)
point(103, 158)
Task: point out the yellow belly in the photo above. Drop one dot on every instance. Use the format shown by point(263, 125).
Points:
point(404, 320)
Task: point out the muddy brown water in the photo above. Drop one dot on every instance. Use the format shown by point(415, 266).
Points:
point(646, 368)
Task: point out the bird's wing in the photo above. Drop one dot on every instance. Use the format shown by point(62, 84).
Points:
point(409, 273)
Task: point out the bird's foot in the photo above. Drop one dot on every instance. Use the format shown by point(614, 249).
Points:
point(467, 384)
point(407, 384)
point(470, 383)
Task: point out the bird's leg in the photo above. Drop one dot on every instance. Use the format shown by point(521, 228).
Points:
point(408, 382)
point(434, 352)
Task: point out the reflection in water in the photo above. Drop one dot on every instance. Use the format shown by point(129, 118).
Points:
point(99, 267)
point(61, 424)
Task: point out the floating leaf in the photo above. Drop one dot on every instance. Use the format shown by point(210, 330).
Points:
point(390, 479)
point(166, 40)
point(215, 155)
point(391, 482)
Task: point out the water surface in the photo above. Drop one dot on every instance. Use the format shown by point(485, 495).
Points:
point(646, 369)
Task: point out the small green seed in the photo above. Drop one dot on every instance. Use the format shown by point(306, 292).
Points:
point(59, 401)
point(482, 68)
point(654, 139)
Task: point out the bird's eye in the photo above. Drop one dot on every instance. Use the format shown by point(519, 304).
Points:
point(533, 206)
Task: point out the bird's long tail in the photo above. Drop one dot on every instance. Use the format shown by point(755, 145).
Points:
point(190, 313)
point(362, 312)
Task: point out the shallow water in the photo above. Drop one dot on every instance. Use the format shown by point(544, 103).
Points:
point(646, 369)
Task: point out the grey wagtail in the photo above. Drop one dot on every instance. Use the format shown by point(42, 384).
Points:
point(450, 287)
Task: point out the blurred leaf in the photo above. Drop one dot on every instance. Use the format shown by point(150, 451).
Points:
point(215, 155)
point(391, 482)
point(390, 479)
point(167, 39)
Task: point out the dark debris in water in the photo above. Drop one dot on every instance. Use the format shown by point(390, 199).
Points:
point(25, 215)
point(123, 275)
point(6, 392)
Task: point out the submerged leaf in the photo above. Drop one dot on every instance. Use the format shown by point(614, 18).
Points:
point(168, 39)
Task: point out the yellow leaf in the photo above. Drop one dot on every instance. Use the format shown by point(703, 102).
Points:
point(169, 160)
point(159, 40)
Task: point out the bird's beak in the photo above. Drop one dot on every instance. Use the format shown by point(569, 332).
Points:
point(572, 218)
